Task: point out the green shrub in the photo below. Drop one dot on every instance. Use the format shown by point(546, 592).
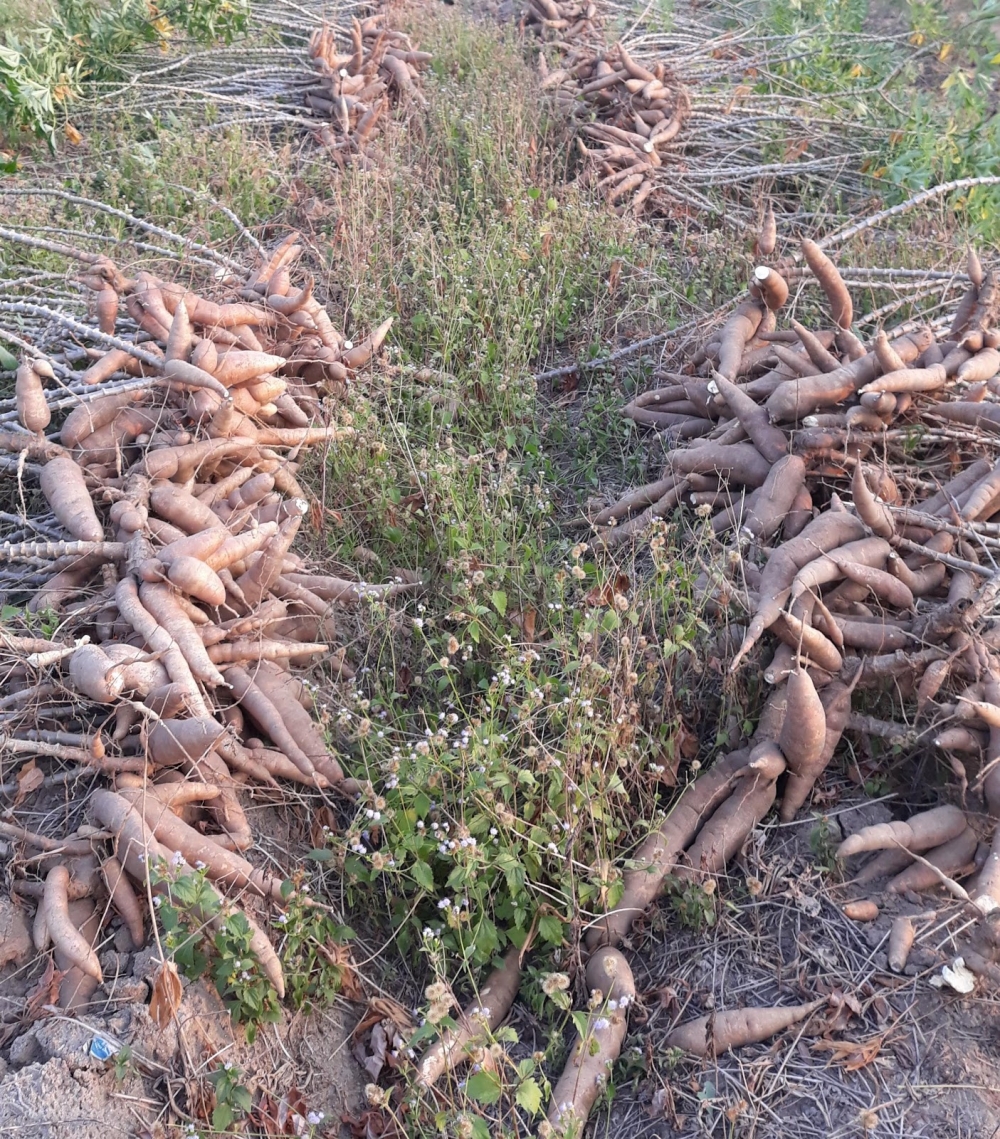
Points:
point(85, 40)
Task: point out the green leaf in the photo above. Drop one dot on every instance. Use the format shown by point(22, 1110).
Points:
point(425, 1032)
point(499, 599)
point(7, 361)
point(222, 1117)
point(550, 929)
point(320, 855)
point(480, 1129)
point(529, 1096)
point(483, 1087)
point(424, 875)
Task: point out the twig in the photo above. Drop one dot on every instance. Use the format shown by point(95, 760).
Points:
point(600, 361)
point(947, 559)
point(949, 884)
point(130, 219)
point(57, 778)
point(28, 551)
point(846, 233)
point(49, 246)
point(26, 308)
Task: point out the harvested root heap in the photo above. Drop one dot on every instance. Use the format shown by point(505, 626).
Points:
point(355, 89)
point(855, 492)
point(688, 122)
point(633, 118)
point(566, 21)
point(183, 610)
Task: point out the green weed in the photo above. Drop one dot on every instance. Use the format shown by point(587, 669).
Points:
point(925, 109)
point(313, 974)
point(187, 910)
point(42, 70)
point(694, 903)
point(232, 1099)
point(823, 844)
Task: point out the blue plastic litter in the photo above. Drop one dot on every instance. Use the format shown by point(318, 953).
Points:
point(102, 1049)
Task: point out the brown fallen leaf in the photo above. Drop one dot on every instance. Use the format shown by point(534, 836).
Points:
point(852, 1055)
point(292, 1112)
point(795, 150)
point(687, 741)
point(322, 824)
point(739, 92)
point(340, 956)
point(613, 274)
point(29, 779)
point(265, 1116)
point(167, 994)
point(526, 623)
point(605, 594)
point(385, 1008)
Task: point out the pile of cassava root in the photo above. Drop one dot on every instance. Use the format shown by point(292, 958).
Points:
point(851, 495)
point(182, 608)
point(561, 21)
point(632, 117)
point(356, 88)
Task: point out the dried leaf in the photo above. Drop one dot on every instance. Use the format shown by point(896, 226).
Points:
point(322, 824)
point(687, 741)
point(73, 135)
point(613, 274)
point(375, 1061)
point(291, 1107)
point(265, 1116)
point(167, 994)
point(29, 779)
point(340, 955)
point(852, 1055)
point(201, 1099)
point(795, 150)
point(739, 92)
point(385, 1008)
point(526, 623)
point(45, 991)
point(605, 594)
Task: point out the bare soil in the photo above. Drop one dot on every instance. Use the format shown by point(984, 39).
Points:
point(891, 1056)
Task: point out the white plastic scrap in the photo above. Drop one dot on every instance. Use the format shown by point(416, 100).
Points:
point(956, 976)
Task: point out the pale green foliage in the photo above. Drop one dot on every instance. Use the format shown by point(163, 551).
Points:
point(41, 70)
